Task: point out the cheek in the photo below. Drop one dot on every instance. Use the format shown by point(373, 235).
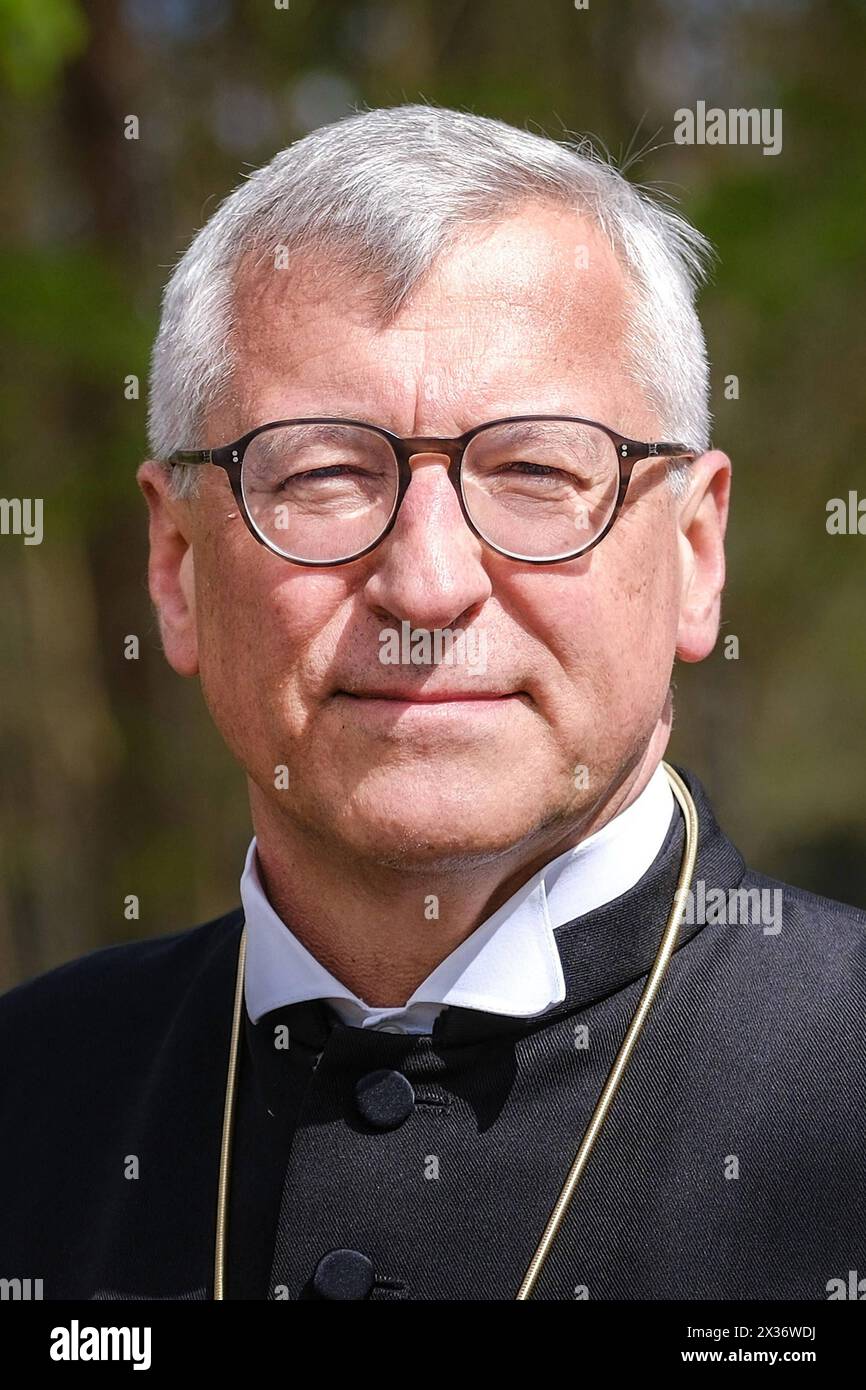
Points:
point(607, 633)
point(234, 661)
point(268, 634)
point(638, 582)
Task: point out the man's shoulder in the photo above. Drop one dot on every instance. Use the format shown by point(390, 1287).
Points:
point(124, 983)
point(805, 951)
point(820, 918)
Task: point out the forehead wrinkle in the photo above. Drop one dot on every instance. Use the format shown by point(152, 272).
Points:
point(577, 330)
point(511, 264)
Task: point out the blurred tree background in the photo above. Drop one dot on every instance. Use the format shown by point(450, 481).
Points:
point(114, 780)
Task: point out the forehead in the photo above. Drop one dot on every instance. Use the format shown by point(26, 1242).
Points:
point(527, 314)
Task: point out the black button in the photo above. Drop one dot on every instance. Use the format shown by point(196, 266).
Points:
point(385, 1098)
point(344, 1275)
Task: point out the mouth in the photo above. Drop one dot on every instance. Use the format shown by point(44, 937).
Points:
point(438, 697)
point(456, 714)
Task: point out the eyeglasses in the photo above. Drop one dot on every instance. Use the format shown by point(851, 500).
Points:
point(536, 488)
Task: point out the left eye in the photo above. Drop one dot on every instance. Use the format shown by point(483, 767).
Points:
point(534, 469)
point(329, 470)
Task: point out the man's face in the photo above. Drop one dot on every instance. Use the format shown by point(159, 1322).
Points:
point(525, 317)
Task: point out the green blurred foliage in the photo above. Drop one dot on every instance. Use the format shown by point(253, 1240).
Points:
point(116, 783)
point(36, 39)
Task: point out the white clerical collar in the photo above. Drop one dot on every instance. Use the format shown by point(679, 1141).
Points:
point(510, 963)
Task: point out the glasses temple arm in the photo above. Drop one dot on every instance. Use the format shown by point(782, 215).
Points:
point(674, 451)
point(191, 456)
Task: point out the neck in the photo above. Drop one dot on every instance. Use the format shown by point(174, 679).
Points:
point(371, 925)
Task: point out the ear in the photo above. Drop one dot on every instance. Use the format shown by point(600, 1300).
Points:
point(702, 522)
point(170, 570)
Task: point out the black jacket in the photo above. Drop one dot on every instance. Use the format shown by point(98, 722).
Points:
point(732, 1164)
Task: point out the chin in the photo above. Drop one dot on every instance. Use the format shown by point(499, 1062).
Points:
point(440, 822)
point(424, 849)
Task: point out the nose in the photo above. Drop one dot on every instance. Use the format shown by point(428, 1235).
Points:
point(429, 570)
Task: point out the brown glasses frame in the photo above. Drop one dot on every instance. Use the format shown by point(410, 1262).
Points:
point(230, 458)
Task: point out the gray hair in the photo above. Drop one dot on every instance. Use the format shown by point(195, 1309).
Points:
point(352, 189)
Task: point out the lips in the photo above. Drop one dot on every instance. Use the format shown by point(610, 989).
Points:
point(428, 697)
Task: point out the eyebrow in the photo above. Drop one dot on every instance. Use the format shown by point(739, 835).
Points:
point(320, 433)
point(527, 429)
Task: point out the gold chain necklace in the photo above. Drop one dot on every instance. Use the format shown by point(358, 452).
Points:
point(603, 1104)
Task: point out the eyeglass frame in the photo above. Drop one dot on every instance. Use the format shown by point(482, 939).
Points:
point(230, 458)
